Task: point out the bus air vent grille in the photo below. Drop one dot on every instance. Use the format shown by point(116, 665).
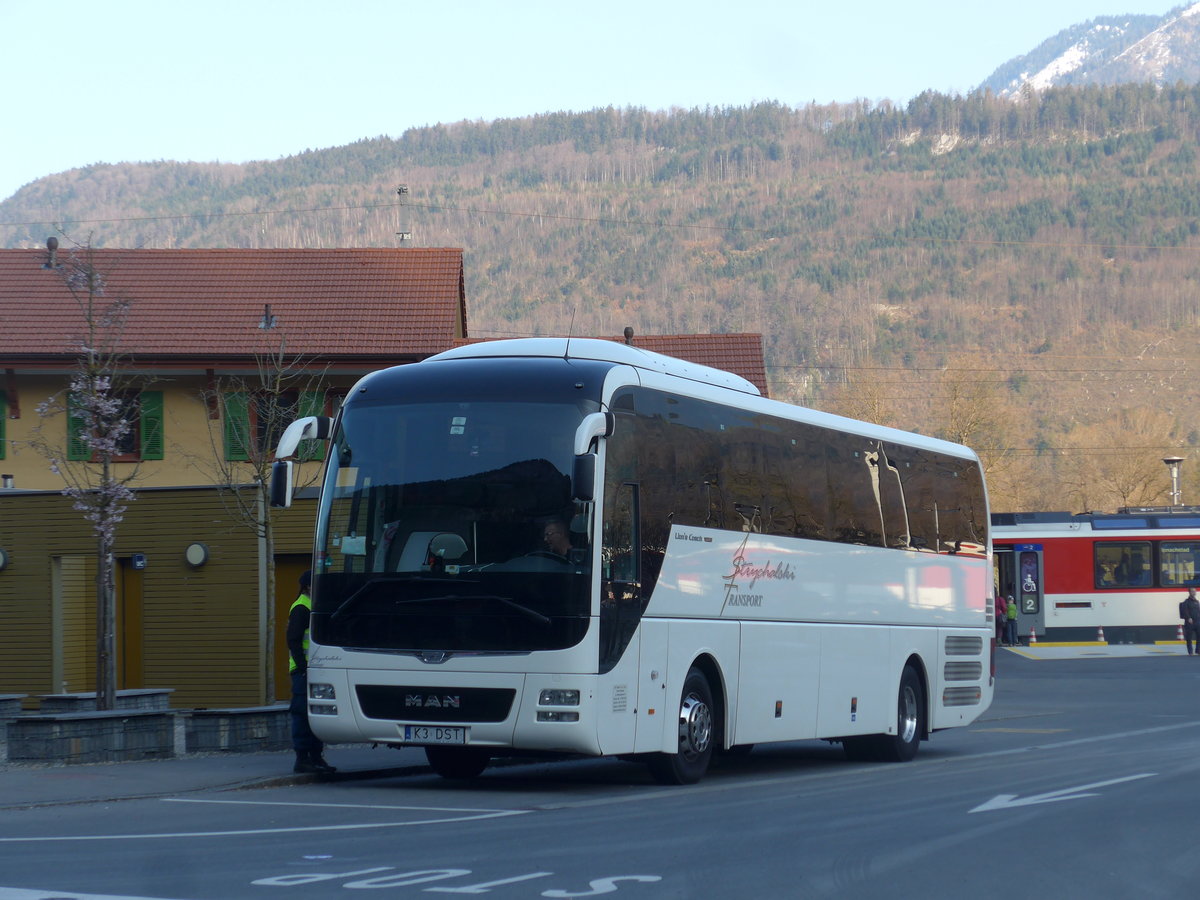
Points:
point(963, 671)
point(961, 696)
point(963, 645)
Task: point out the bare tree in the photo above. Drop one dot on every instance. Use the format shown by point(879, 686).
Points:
point(1123, 460)
point(102, 409)
point(255, 410)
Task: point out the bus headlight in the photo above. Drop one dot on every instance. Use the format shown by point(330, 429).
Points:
point(320, 691)
point(554, 715)
point(558, 697)
point(322, 709)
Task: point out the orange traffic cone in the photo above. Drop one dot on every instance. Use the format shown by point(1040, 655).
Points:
point(1100, 635)
point(1032, 636)
point(1179, 633)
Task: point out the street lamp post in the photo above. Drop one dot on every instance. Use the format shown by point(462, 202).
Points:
point(1173, 464)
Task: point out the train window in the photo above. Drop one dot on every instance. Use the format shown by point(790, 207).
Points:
point(1123, 564)
point(1179, 563)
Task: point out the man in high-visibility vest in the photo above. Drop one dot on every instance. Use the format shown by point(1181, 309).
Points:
point(310, 757)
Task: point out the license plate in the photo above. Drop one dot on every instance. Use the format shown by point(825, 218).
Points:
point(435, 734)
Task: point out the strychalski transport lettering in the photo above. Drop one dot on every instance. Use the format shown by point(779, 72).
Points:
point(580, 547)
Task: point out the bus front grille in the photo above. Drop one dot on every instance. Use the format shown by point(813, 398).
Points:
point(435, 704)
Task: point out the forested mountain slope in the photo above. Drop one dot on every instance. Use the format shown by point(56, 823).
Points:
point(1019, 275)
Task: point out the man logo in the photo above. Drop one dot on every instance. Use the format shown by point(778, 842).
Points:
point(433, 701)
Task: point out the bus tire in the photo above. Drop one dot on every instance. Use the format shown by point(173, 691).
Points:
point(910, 725)
point(457, 762)
point(910, 721)
point(696, 717)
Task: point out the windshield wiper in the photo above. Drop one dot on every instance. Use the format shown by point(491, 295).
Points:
point(519, 607)
point(510, 603)
point(371, 583)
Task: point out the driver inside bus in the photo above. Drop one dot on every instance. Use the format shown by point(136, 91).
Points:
point(556, 539)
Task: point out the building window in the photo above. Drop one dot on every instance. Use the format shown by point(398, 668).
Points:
point(143, 440)
point(254, 422)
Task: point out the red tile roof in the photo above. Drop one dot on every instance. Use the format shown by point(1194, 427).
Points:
point(390, 304)
point(741, 354)
point(374, 306)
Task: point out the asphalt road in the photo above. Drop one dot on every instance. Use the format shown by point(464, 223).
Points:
point(1081, 781)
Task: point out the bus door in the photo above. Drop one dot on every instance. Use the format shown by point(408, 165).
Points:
point(1019, 573)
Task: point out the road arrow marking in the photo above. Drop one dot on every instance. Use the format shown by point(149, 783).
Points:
point(1009, 801)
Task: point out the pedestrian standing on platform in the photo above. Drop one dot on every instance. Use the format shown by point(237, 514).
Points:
point(310, 758)
point(1010, 622)
point(1001, 618)
point(1189, 611)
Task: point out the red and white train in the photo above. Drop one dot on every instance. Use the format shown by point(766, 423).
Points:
point(1073, 575)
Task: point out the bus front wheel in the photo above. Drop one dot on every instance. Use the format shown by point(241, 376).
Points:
point(457, 762)
point(689, 763)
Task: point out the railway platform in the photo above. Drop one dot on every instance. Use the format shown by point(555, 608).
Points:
point(1096, 649)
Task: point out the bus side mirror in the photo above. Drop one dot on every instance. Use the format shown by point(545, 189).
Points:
point(583, 479)
point(281, 484)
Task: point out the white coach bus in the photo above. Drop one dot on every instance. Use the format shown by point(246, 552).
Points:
point(580, 547)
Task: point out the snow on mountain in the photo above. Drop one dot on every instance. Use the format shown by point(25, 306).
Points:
point(1109, 50)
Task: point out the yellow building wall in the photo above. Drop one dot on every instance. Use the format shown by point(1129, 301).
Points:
point(193, 440)
point(199, 629)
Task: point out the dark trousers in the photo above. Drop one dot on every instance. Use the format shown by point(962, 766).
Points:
point(1010, 631)
point(304, 742)
point(1190, 634)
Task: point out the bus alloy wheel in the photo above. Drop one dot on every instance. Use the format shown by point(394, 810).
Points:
point(689, 763)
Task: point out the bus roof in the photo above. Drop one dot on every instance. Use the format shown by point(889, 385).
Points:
point(626, 354)
point(604, 351)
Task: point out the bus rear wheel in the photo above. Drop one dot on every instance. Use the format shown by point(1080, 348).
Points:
point(457, 762)
point(689, 763)
point(910, 726)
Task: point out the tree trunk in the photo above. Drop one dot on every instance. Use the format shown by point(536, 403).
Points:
point(268, 600)
point(106, 632)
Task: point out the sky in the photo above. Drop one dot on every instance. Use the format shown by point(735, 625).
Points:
point(133, 80)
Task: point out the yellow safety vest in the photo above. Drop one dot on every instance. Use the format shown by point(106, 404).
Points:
point(306, 602)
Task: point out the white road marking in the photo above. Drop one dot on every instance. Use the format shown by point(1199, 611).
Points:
point(26, 894)
point(453, 809)
point(1011, 801)
point(359, 826)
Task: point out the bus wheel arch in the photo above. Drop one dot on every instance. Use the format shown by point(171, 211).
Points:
point(912, 721)
point(698, 728)
point(716, 684)
point(912, 715)
point(917, 664)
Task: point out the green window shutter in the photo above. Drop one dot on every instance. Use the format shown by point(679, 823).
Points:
point(151, 403)
point(237, 426)
point(3, 420)
point(312, 403)
point(78, 449)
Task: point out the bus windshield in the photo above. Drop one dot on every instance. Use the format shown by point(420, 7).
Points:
point(449, 527)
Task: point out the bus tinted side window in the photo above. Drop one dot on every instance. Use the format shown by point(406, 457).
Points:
point(706, 465)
